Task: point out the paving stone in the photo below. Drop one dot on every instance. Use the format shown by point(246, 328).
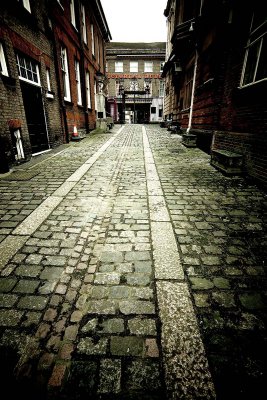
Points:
point(9, 318)
point(143, 376)
point(90, 346)
point(251, 301)
point(139, 326)
point(127, 346)
point(33, 302)
point(136, 307)
point(7, 284)
point(7, 300)
point(26, 286)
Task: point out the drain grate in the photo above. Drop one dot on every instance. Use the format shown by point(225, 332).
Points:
point(19, 176)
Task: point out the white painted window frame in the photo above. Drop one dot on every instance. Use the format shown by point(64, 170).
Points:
point(3, 61)
point(26, 4)
point(28, 69)
point(65, 74)
point(256, 37)
point(133, 66)
point(84, 28)
point(78, 82)
point(88, 90)
point(93, 38)
point(72, 13)
point(95, 94)
point(118, 66)
point(148, 66)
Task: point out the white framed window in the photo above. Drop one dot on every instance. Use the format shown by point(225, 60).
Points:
point(148, 66)
point(118, 66)
point(88, 90)
point(188, 88)
point(78, 81)
point(3, 65)
point(84, 28)
point(161, 88)
point(133, 66)
point(65, 74)
point(95, 92)
point(28, 69)
point(72, 13)
point(48, 81)
point(49, 93)
point(26, 4)
point(255, 66)
point(93, 39)
point(161, 66)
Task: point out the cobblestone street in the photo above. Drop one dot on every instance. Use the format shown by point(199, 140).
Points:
point(132, 269)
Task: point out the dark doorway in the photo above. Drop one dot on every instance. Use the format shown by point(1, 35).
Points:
point(34, 110)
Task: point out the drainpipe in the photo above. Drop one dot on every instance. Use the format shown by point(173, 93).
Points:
point(193, 93)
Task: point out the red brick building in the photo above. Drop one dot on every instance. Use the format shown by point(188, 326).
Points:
point(52, 62)
point(216, 76)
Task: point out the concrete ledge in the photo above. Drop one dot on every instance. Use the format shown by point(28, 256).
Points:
point(189, 140)
point(227, 161)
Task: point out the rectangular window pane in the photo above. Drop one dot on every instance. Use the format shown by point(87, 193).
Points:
point(72, 13)
point(78, 83)
point(148, 66)
point(84, 24)
point(118, 66)
point(93, 39)
point(88, 90)
point(262, 66)
point(133, 66)
point(3, 66)
point(65, 75)
point(251, 63)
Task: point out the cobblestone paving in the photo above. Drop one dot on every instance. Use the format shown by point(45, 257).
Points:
point(88, 306)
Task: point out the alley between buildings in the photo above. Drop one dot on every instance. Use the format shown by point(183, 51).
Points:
point(131, 269)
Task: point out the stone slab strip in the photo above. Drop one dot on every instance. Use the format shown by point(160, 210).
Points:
point(165, 252)
point(35, 219)
point(187, 373)
point(186, 367)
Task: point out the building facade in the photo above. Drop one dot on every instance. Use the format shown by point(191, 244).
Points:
point(52, 71)
point(135, 86)
point(216, 76)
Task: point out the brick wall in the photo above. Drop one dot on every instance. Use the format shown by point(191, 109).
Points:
point(252, 147)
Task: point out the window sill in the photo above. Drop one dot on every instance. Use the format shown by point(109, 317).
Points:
point(252, 84)
point(50, 95)
point(68, 102)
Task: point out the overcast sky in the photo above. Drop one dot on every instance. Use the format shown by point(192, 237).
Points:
point(136, 20)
